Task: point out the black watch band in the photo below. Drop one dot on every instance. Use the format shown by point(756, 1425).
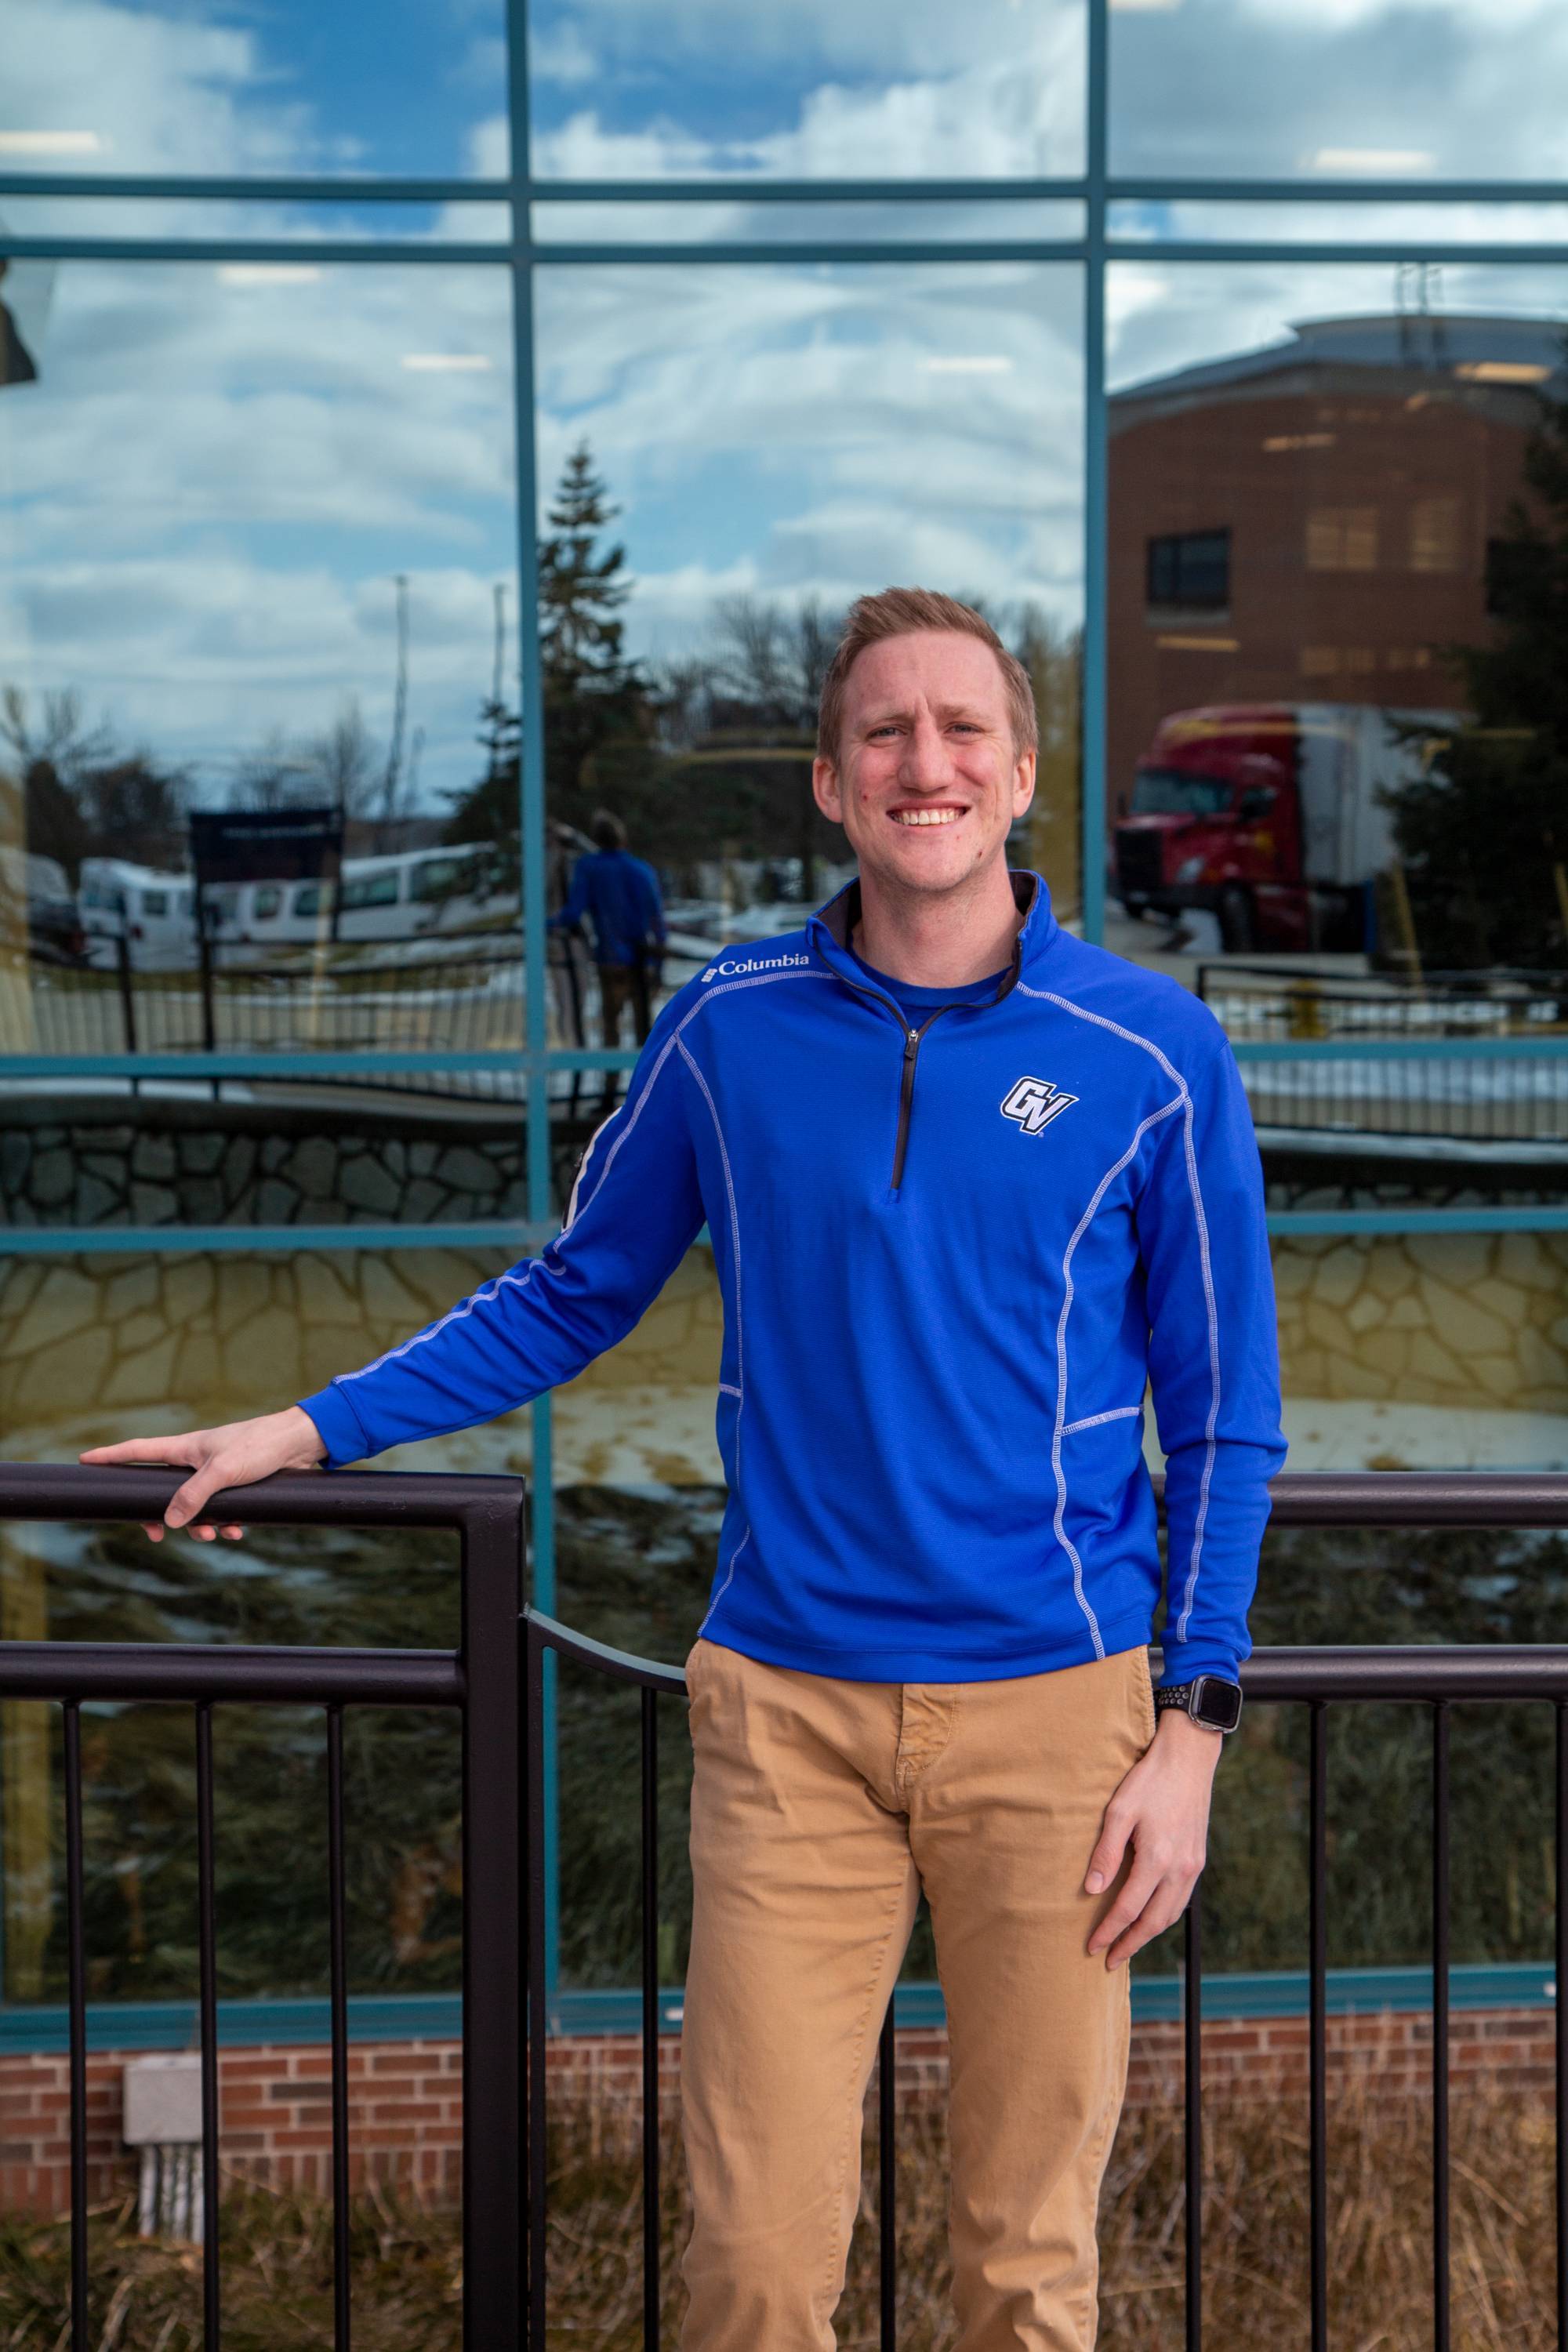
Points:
point(1209, 1699)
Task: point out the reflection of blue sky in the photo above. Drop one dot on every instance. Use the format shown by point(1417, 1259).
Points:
point(256, 85)
point(1460, 89)
point(816, 431)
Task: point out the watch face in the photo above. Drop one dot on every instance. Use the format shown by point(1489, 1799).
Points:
point(1216, 1703)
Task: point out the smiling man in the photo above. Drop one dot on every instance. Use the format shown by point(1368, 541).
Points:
point(973, 1187)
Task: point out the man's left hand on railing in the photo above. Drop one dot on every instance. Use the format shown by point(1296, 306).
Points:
point(1161, 1810)
point(236, 1454)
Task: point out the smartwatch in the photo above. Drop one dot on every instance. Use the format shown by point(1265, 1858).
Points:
point(1209, 1700)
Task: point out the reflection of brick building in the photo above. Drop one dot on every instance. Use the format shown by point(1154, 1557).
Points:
point(1310, 522)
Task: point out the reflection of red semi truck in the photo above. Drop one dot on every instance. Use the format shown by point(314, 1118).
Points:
point(1268, 815)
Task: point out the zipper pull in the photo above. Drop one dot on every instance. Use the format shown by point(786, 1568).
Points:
point(910, 1041)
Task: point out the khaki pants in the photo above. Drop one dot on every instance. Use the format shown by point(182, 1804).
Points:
point(820, 1806)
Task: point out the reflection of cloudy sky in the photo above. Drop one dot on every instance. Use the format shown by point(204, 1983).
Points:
point(214, 482)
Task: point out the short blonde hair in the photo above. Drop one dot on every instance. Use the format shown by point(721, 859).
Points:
point(899, 612)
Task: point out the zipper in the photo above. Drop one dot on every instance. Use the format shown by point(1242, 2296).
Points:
point(907, 1090)
point(911, 1046)
point(907, 1078)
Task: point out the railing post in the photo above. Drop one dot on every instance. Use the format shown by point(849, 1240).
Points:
point(533, 1652)
point(493, 2239)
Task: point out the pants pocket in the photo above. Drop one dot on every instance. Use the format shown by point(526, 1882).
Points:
point(1146, 1692)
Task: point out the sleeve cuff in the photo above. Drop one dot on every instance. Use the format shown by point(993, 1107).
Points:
point(1184, 1661)
point(337, 1425)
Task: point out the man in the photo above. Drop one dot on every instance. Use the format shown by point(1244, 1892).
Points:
point(971, 1185)
point(620, 895)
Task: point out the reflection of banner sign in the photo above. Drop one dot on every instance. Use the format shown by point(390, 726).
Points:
point(297, 844)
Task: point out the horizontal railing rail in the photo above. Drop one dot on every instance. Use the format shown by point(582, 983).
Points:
point(498, 1683)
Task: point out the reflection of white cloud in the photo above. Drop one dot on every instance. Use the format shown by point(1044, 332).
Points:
point(920, 37)
point(166, 94)
point(823, 453)
point(1011, 115)
point(560, 54)
point(214, 482)
point(1460, 89)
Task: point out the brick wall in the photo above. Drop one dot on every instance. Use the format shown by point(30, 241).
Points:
point(406, 2104)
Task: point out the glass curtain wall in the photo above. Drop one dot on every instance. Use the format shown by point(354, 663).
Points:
point(426, 439)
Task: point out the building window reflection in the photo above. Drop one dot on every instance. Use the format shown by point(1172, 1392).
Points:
point(1190, 570)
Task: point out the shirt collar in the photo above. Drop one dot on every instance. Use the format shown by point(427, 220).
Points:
point(828, 931)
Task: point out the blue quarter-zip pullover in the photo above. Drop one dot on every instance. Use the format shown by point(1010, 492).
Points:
point(952, 1256)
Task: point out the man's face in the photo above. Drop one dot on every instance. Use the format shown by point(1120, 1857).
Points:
point(927, 779)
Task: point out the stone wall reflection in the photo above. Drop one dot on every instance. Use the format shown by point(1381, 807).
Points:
point(1426, 1350)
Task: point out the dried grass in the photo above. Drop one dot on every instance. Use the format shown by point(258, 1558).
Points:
point(407, 2263)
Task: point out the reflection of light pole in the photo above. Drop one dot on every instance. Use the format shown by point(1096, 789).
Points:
point(399, 711)
point(499, 593)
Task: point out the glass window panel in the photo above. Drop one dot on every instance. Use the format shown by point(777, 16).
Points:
point(751, 438)
point(1158, 220)
point(261, 552)
point(1451, 90)
point(1333, 800)
point(738, 221)
point(247, 220)
point(807, 91)
point(200, 88)
point(98, 1346)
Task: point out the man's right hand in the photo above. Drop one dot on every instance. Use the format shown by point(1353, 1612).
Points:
point(235, 1455)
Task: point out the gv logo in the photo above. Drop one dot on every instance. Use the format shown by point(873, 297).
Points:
point(1033, 1103)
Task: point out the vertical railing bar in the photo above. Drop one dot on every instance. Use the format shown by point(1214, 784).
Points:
point(493, 1905)
point(650, 2181)
point(888, 2176)
point(1440, 2313)
point(1317, 2031)
point(76, 1938)
point(1193, 2021)
point(1560, 1891)
point(538, 1996)
point(337, 1898)
point(207, 1934)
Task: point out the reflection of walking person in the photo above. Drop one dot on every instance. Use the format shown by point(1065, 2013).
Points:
point(620, 896)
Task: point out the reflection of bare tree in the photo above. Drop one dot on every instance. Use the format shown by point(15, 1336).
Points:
point(342, 761)
point(342, 767)
point(1053, 655)
point(81, 794)
point(772, 659)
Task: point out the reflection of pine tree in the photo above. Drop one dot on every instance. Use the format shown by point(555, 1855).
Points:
point(598, 713)
point(489, 811)
point(597, 716)
point(1485, 833)
point(580, 590)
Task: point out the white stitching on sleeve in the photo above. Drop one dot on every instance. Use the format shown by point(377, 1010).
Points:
point(737, 1392)
point(1059, 1521)
point(1205, 1264)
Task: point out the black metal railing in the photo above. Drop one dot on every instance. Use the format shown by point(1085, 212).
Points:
point(481, 1679)
point(1317, 1678)
point(1476, 1059)
point(497, 1677)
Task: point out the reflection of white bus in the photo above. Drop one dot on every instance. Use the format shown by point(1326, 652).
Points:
point(156, 912)
point(407, 897)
